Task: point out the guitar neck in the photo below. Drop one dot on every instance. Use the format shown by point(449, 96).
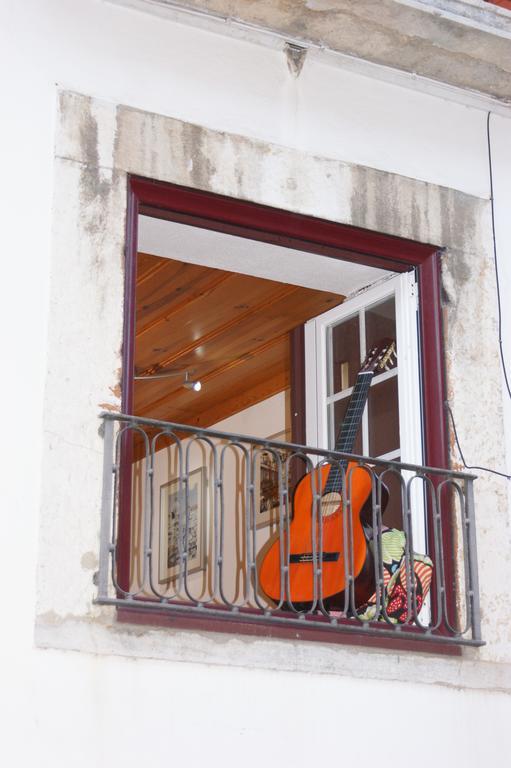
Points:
point(348, 431)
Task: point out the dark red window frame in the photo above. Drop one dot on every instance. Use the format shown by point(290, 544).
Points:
point(502, 3)
point(306, 233)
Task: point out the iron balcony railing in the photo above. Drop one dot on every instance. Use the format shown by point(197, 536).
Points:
point(205, 523)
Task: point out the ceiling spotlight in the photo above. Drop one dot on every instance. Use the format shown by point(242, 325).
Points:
point(196, 386)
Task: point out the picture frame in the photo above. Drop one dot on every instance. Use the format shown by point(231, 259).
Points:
point(266, 498)
point(170, 503)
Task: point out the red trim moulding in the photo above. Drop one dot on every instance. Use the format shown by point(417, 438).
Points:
point(309, 633)
point(502, 3)
point(128, 363)
point(261, 222)
point(306, 233)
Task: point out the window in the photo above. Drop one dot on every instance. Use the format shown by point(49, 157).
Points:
point(193, 544)
point(391, 427)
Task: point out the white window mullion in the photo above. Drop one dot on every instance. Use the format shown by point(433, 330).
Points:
point(390, 456)
point(410, 427)
point(380, 377)
point(312, 400)
point(363, 353)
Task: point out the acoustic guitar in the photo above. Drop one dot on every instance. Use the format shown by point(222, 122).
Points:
point(327, 481)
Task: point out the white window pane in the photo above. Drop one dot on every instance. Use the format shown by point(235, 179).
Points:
point(343, 343)
point(380, 322)
point(383, 417)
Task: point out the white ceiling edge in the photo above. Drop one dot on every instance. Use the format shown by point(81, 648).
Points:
point(206, 247)
point(271, 38)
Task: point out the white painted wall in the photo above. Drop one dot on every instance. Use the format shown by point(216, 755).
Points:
point(65, 707)
point(252, 257)
point(246, 717)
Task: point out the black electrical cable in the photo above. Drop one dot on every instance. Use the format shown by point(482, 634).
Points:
point(495, 260)
point(499, 312)
point(468, 466)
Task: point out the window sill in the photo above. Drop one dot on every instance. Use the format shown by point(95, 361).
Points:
point(150, 616)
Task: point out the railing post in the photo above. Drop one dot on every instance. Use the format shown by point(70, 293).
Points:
point(106, 508)
point(472, 560)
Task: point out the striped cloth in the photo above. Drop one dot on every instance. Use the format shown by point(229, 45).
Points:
point(394, 577)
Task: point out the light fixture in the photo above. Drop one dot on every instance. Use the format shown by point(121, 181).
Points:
point(193, 384)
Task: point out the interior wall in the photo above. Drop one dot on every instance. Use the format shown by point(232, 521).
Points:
point(268, 419)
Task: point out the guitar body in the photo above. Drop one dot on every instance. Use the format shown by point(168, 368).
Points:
point(300, 543)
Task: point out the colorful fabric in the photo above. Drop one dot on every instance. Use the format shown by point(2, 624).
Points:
point(394, 577)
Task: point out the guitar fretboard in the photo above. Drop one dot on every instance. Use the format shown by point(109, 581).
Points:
point(348, 431)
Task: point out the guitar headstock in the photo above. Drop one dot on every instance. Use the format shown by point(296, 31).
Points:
point(381, 357)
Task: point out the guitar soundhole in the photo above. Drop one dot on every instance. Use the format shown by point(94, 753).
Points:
point(330, 503)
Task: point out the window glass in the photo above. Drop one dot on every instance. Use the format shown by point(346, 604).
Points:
point(336, 415)
point(383, 417)
point(380, 322)
point(343, 343)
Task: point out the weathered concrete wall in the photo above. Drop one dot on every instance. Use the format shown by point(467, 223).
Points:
point(466, 47)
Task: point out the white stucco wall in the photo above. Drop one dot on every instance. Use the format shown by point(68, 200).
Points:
point(70, 706)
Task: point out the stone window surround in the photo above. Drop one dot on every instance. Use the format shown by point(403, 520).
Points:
point(97, 145)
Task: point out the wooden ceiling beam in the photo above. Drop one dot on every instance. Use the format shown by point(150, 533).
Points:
point(258, 351)
point(177, 306)
point(219, 330)
point(231, 330)
point(150, 272)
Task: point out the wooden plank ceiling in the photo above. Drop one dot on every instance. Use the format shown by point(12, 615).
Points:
point(229, 330)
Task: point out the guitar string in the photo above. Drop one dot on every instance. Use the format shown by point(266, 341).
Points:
point(349, 429)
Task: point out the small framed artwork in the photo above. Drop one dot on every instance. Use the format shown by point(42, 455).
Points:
point(266, 482)
point(172, 504)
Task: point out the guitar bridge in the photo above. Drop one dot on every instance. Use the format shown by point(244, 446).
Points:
point(308, 557)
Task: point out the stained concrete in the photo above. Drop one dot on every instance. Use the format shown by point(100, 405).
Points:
point(387, 32)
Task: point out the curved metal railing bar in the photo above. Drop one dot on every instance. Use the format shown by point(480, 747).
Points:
point(113, 545)
point(314, 472)
point(197, 439)
point(162, 596)
point(251, 564)
point(353, 610)
point(391, 471)
point(246, 580)
point(461, 498)
point(437, 557)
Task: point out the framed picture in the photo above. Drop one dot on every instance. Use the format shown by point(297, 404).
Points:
point(266, 498)
point(172, 504)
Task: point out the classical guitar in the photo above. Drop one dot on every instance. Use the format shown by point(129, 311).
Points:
point(327, 481)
